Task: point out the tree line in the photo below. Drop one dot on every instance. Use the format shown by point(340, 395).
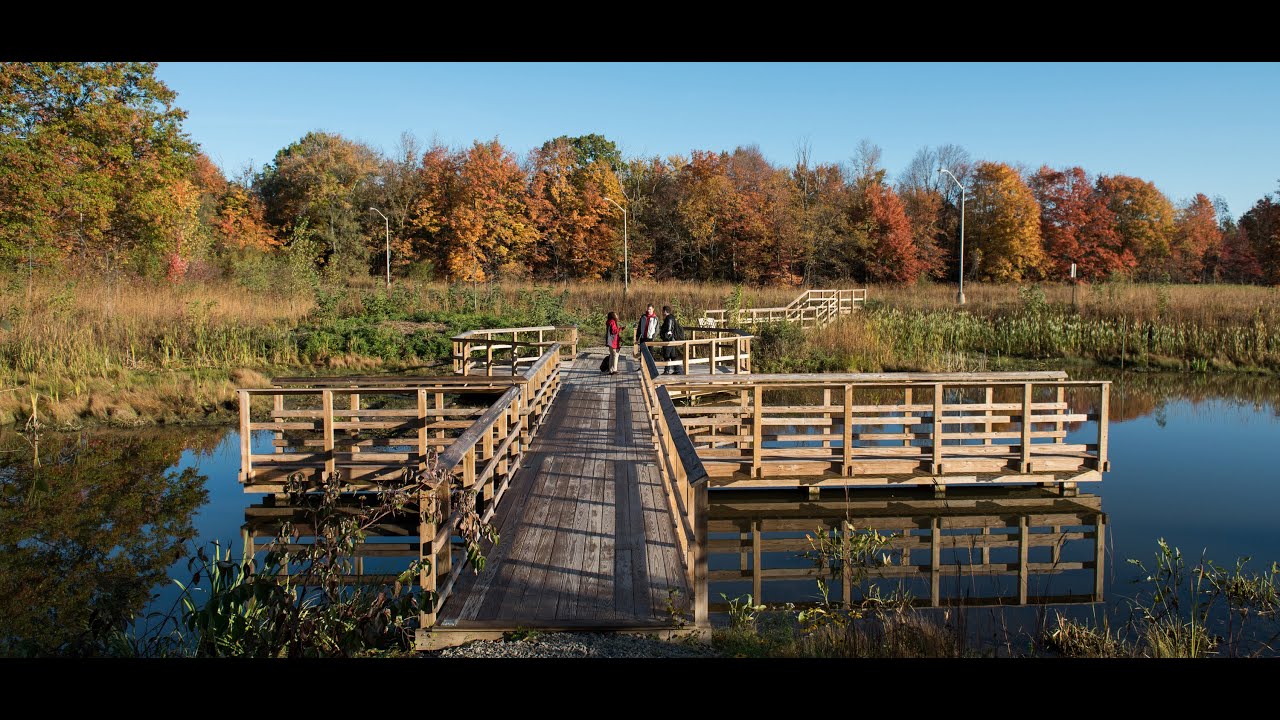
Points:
point(96, 172)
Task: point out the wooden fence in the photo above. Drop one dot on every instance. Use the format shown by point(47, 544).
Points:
point(894, 428)
point(483, 351)
point(812, 308)
point(713, 350)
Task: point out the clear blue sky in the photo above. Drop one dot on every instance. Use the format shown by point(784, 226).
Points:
point(1190, 128)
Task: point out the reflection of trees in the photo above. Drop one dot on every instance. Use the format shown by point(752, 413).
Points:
point(85, 538)
point(1135, 395)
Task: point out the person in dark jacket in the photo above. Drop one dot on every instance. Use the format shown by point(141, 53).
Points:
point(670, 332)
point(646, 330)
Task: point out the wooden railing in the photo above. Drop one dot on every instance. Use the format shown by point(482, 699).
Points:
point(685, 481)
point(369, 430)
point(478, 442)
point(726, 351)
point(891, 428)
point(938, 539)
point(483, 352)
point(812, 308)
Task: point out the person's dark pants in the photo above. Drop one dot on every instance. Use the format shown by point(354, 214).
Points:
point(671, 353)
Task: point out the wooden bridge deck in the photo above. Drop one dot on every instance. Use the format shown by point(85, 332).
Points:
point(586, 533)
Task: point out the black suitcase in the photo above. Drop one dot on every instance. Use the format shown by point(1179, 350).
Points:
point(604, 364)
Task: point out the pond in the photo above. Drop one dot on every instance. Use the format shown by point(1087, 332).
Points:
point(94, 535)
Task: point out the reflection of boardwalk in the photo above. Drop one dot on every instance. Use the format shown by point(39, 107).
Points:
point(586, 533)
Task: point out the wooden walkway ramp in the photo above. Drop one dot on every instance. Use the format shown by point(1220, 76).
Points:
point(587, 538)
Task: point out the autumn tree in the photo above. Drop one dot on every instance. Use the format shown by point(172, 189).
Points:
point(1196, 236)
point(1144, 220)
point(1260, 227)
point(579, 229)
point(931, 201)
point(1003, 228)
point(472, 217)
point(93, 162)
point(1077, 226)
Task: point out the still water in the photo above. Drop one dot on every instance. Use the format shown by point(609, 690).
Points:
point(95, 534)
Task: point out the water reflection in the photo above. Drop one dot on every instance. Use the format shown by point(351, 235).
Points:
point(87, 535)
point(1028, 546)
point(388, 548)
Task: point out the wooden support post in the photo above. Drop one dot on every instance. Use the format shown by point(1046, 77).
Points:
point(1026, 428)
point(440, 415)
point(326, 405)
point(937, 429)
point(846, 565)
point(906, 428)
point(758, 416)
point(935, 561)
point(277, 405)
point(1099, 554)
point(1024, 545)
point(757, 577)
point(702, 507)
point(488, 355)
point(986, 545)
point(685, 351)
point(427, 573)
point(847, 432)
point(469, 468)
point(1056, 551)
point(422, 429)
point(355, 433)
point(827, 414)
point(1104, 429)
point(737, 355)
point(246, 438)
point(748, 359)
point(989, 399)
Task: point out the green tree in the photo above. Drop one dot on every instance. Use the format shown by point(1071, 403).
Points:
point(327, 181)
point(93, 164)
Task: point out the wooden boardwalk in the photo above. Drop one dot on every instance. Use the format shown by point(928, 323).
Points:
point(586, 532)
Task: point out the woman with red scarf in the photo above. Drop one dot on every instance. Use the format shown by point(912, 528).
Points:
point(613, 341)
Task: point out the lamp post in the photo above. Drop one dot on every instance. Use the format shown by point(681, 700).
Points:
point(388, 222)
point(959, 295)
point(626, 270)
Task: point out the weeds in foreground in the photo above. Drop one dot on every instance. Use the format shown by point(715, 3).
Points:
point(300, 601)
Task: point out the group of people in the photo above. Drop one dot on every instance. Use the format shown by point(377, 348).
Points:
point(648, 329)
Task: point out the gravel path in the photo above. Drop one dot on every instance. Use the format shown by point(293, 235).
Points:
point(585, 645)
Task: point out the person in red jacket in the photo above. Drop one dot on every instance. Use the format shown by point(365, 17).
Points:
point(613, 341)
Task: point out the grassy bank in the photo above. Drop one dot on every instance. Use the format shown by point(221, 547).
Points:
point(91, 350)
point(1150, 327)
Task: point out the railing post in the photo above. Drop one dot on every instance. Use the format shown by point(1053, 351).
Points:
point(246, 447)
point(758, 416)
point(1024, 544)
point(937, 428)
point(422, 429)
point(469, 467)
point(277, 406)
point(906, 429)
point(1104, 412)
point(1026, 428)
point(847, 470)
point(701, 507)
point(326, 404)
point(684, 355)
point(355, 432)
point(1099, 553)
point(426, 557)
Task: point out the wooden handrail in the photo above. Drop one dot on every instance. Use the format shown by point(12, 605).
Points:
point(810, 307)
point(685, 480)
point(740, 436)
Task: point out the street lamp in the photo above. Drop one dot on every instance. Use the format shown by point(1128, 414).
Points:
point(626, 270)
point(388, 222)
point(959, 295)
